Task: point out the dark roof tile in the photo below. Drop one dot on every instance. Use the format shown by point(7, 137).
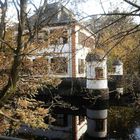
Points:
point(54, 13)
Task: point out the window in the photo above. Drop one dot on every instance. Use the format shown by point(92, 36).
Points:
point(53, 37)
point(61, 120)
point(81, 66)
point(99, 73)
point(65, 37)
point(59, 65)
point(100, 125)
point(58, 36)
point(41, 63)
point(113, 69)
point(65, 40)
point(42, 36)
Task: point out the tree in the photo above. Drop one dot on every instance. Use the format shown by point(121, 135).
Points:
point(115, 37)
point(3, 7)
point(120, 40)
point(20, 78)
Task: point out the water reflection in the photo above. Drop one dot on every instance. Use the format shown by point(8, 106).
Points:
point(136, 133)
point(123, 123)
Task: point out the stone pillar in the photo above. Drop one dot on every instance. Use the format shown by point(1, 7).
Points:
point(97, 86)
point(118, 76)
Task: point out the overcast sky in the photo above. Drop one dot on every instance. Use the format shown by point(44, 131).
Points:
point(94, 6)
point(100, 6)
point(90, 6)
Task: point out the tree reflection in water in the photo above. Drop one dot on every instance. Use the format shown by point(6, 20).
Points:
point(124, 123)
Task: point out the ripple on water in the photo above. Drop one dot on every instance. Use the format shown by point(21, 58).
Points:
point(137, 133)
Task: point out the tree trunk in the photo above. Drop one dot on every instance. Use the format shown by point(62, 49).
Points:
point(3, 6)
point(10, 88)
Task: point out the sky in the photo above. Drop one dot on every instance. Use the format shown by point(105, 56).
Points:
point(89, 7)
point(94, 6)
point(100, 6)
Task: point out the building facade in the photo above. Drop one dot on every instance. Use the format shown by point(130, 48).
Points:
point(68, 42)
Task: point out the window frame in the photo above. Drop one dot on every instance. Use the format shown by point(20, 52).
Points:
point(81, 66)
point(58, 36)
point(56, 66)
point(99, 73)
point(100, 125)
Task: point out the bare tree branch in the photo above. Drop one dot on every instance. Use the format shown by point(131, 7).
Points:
point(133, 4)
point(15, 120)
point(102, 6)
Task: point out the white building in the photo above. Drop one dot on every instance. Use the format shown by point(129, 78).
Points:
point(68, 41)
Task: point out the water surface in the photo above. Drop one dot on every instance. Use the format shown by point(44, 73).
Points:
point(123, 123)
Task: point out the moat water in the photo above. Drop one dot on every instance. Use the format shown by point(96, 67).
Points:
point(123, 123)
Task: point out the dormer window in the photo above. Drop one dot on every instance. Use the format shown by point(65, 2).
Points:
point(99, 74)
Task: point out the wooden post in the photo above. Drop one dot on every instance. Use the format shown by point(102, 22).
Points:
point(74, 128)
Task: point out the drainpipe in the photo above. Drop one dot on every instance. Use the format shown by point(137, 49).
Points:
point(97, 86)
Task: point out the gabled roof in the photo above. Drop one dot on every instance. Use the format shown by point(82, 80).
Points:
point(54, 13)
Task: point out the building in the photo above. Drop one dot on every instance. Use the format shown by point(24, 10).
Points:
point(68, 41)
